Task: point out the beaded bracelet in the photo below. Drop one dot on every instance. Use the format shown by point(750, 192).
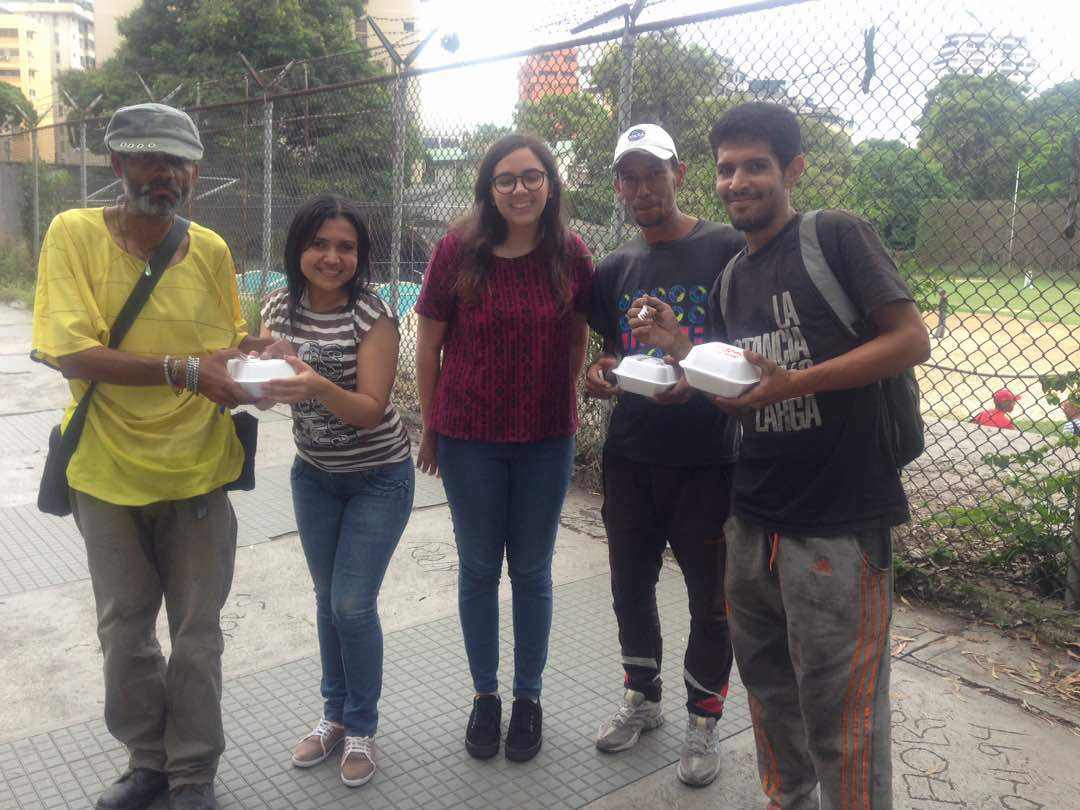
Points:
point(165, 370)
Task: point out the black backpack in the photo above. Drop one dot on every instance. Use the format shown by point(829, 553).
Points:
point(900, 393)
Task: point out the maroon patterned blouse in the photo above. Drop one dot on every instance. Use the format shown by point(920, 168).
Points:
point(506, 373)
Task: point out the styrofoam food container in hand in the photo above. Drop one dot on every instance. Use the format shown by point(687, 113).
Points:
point(645, 375)
point(251, 373)
point(720, 369)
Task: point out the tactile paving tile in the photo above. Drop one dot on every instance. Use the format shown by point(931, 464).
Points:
point(28, 432)
point(39, 550)
point(425, 704)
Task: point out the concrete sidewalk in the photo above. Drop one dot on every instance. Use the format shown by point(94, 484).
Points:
point(962, 738)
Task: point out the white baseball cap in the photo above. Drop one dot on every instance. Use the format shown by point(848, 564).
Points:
point(647, 138)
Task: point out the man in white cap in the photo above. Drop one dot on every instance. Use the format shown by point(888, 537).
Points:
point(147, 474)
point(667, 459)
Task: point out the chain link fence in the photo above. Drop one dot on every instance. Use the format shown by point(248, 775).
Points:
point(959, 143)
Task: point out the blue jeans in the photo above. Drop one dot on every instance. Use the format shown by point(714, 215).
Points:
point(350, 523)
point(506, 496)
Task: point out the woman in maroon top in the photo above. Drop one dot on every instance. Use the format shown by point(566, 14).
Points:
point(501, 341)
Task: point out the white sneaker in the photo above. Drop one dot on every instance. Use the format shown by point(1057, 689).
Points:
point(700, 760)
point(635, 715)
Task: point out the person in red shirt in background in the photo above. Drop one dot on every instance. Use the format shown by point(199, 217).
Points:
point(998, 416)
point(500, 343)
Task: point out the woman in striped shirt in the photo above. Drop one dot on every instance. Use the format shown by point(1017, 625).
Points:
point(353, 478)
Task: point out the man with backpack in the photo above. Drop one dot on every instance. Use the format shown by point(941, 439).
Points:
point(817, 482)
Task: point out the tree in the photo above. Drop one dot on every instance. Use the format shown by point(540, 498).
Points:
point(1053, 121)
point(679, 85)
point(974, 127)
point(577, 117)
point(11, 101)
point(889, 185)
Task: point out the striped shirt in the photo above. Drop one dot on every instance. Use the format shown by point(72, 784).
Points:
point(327, 341)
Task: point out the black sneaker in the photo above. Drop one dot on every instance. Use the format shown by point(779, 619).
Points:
point(134, 790)
point(485, 727)
point(523, 737)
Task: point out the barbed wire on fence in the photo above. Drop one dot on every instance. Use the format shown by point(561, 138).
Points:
point(962, 154)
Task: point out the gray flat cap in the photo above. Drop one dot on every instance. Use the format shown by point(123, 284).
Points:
point(154, 128)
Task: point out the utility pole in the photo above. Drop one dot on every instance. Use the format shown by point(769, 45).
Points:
point(624, 104)
point(83, 114)
point(397, 183)
point(268, 162)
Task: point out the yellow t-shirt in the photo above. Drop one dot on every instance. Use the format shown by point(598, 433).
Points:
point(141, 444)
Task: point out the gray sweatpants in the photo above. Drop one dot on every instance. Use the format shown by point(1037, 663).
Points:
point(809, 620)
point(167, 714)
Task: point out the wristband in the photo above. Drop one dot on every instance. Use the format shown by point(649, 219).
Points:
point(192, 381)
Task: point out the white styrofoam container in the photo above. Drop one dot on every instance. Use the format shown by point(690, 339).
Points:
point(250, 374)
point(645, 375)
point(720, 369)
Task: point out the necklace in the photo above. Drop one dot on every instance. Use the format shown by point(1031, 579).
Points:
point(122, 232)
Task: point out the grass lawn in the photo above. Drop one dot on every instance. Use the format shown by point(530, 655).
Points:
point(1055, 299)
point(1047, 427)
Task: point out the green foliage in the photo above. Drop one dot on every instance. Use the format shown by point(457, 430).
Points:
point(11, 97)
point(592, 203)
point(973, 126)
point(17, 276)
point(1030, 524)
point(173, 41)
point(682, 86)
point(1053, 121)
point(576, 117)
point(51, 185)
point(888, 186)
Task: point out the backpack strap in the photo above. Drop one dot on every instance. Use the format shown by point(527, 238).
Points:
point(725, 283)
point(823, 277)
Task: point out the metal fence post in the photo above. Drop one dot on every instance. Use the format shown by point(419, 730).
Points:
point(268, 191)
point(82, 161)
point(37, 191)
point(398, 187)
point(624, 107)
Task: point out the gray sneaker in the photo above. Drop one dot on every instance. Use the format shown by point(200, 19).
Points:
point(635, 715)
point(700, 760)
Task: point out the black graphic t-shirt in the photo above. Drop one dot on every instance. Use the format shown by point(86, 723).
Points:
point(681, 272)
point(820, 464)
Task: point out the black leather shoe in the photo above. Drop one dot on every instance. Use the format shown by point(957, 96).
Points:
point(485, 727)
point(524, 734)
point(193, 797)
point(134, 790)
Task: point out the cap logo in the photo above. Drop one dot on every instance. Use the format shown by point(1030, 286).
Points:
point(636, 135)
point(121, 145)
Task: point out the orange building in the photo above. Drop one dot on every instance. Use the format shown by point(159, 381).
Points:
point(553, 73)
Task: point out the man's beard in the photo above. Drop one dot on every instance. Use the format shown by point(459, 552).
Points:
point(750, 221)
point(140, 201)
point(651, 222)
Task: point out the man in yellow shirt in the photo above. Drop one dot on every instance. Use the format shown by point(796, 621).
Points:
point(146, 478)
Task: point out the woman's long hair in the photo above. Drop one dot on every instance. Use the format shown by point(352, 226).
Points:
point(483, 228)
point(305, 225)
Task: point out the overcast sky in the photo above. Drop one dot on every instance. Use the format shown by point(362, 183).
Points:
point(819, 44)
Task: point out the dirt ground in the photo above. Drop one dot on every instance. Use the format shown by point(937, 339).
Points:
point(981, 353)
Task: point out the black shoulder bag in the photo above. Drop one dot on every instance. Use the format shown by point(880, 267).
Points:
point(54, 496)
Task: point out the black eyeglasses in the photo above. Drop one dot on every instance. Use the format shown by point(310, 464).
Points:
point(531, 179)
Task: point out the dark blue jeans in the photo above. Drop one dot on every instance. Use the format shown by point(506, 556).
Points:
point(350, 523)
point(506, 496)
